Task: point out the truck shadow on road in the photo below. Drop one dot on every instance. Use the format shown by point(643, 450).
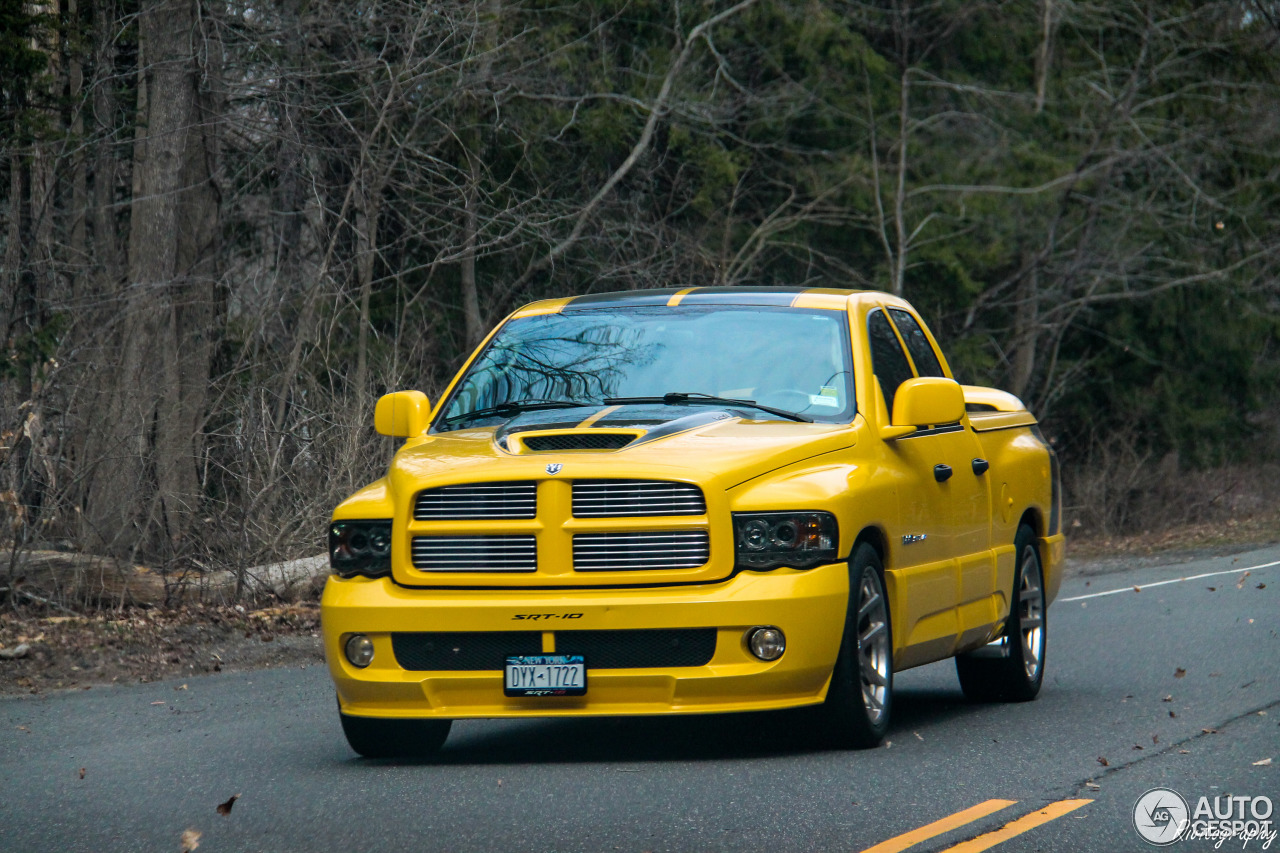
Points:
point(693, 738)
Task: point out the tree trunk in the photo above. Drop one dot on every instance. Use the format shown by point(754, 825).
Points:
point(1025, 329)
point(1044, 55)
point(146, 484)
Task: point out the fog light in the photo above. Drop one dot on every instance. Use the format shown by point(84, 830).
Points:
point(359, 650)
point(766, 643)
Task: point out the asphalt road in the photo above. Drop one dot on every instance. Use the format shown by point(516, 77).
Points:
point(157, 759)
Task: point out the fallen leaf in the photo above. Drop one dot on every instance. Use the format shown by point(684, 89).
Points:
point(190, 840)
point(1092, 785)
point(183, 687)
point(224, 809)
point(1168, 698)
point(1266, 762)
point(1211, 588)
point(1103, 761)
point(1155, 738)
point(499, 783)
point(1179, 672)
point(81, 772)
point(1210, 731)
point(1171, 714)
point(1137, 589)
point(1184, 752)
point(1261, 586)
point(1240, 583)
point(917, 734)
point(1137, 746)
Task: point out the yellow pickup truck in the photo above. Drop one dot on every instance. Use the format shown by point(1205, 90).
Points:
point(688, 501)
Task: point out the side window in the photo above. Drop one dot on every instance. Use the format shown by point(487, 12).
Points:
point(917, 343)
point(888, 361)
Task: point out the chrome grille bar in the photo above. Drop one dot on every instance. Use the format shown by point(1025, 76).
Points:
point(516, 553)
point(477, 500)
point(621, 552)
point(635, 498)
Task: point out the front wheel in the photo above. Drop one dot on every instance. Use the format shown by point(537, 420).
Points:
point(856, 710)
point(1012, 668)
point(380, 738)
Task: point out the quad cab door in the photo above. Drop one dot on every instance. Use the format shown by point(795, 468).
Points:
point(940, 560)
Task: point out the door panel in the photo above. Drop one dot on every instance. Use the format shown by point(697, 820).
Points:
point(948, 578)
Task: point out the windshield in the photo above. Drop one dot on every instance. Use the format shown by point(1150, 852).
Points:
point(792, 359)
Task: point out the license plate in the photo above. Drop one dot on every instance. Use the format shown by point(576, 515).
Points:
point(545, 675)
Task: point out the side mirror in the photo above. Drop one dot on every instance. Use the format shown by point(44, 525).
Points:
point(403, 414)
point(926, 401)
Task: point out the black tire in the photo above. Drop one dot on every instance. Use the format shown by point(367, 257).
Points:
point(1012, 668)
point(380, 738)
point(856, 712)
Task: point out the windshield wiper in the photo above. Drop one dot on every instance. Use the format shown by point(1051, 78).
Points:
point(676, 398)
point(511, 409)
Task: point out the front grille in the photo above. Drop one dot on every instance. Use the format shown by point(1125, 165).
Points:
point(639, 649)
point(488, 650)
point(477, 500)
point(615, 498)
point(463, 650)
point(579, 441)
point(517, 553)
point(623, 552)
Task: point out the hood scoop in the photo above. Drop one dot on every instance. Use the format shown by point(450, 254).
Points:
point(562, 440)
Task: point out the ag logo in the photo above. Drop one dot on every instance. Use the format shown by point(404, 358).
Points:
point(554, 467)
point(1161, 816)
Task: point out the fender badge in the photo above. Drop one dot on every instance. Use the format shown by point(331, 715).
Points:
point(554, 467)
point(913, 538)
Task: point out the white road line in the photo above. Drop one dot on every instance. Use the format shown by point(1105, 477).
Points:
point(1142, 586)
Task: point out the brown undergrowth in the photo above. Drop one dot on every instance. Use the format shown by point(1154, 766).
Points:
point(141, 645)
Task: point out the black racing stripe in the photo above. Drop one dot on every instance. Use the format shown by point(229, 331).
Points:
point(683, 424)
point(743, 296)
point(621, 298)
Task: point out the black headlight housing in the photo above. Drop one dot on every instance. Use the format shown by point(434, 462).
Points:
point(771, 540)
point(360, 548)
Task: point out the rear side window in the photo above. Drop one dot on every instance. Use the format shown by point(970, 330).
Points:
point(917, 343)
point(888, 361)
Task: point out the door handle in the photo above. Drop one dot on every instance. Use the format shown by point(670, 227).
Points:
point(942, 473)
point(980, 466)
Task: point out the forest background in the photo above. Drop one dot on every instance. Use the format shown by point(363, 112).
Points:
point(227, 227)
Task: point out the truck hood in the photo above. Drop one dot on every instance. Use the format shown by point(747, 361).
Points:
point(716, 447)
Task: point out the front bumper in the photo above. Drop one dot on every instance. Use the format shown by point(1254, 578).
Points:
point(809, 606)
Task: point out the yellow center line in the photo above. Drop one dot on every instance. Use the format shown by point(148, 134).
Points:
point(1017, 827)
point(597, 416)
point(938, 827)
point(676, 297)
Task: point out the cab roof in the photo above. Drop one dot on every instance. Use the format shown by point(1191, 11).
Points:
point(778, 296)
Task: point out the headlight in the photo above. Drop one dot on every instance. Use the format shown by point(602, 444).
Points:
point(801, 540)
point(360, 548)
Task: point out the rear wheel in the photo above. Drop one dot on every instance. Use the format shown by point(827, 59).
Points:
point(856, 711)
point(380, 738)
point(1011, 669)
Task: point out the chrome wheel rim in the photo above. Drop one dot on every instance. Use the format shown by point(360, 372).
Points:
point(873, 646)
point(1031, 613)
